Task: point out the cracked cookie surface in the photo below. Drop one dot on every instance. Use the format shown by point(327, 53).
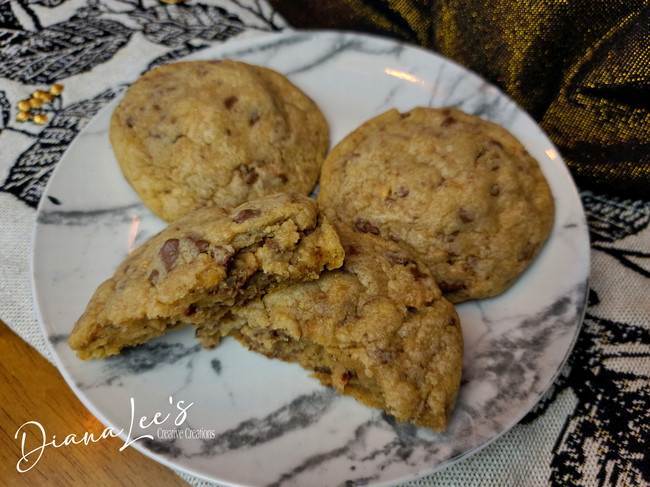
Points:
point(201, 264)
point(199, 133)
point(459, 191)
point(377, 329)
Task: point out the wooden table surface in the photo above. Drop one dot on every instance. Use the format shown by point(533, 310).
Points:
point(33, 390)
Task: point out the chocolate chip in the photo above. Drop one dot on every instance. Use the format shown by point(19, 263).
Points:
point(450, 287)
point(153, 277)
point(202, 246)
point(494, 144)
point(351, 250)
point(402, 192)
point(364, 226)
point(248, 174)
point(448, 121)
point(169, 253)
point(221, 255)
point(191, 309)
point(247, 214)
point(417, 273)
point(253, 118)
point(230, 101)
point(447, 238)
point(348, 375)
point(527, 252)
point(465, 215)
point(480, 154)
point(385, 356)
point(495, 190)
point(397, 259)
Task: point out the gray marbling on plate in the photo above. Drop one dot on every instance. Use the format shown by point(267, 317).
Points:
point(259, 422)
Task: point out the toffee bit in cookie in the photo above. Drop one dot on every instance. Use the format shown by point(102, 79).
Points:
point(246, 214)
point(169, 253)
point(364, 226)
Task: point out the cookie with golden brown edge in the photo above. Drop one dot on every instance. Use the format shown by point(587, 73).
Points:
point(203, 263)
point(200, 133)
point(377, 329)
point(461, 192)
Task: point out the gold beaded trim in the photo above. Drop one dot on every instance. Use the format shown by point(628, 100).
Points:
point(28, 108)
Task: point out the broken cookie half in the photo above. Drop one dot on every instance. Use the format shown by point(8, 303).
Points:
point(377, 329)
point(194, 270)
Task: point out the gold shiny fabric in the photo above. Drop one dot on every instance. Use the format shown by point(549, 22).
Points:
point(580, 68)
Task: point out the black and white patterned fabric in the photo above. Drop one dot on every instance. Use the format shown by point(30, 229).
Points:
point(593, 426)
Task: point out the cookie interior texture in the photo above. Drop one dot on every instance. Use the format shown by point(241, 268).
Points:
point(377, 329)
point(461, 192)
point(203, 263)
point(199, 133)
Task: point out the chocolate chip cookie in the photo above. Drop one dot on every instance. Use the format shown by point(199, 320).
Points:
point(377, 329)
point(192, 134)
point(462, 193)
point(203, 263)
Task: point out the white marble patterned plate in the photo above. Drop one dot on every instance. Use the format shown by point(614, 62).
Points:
point(231, 416)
